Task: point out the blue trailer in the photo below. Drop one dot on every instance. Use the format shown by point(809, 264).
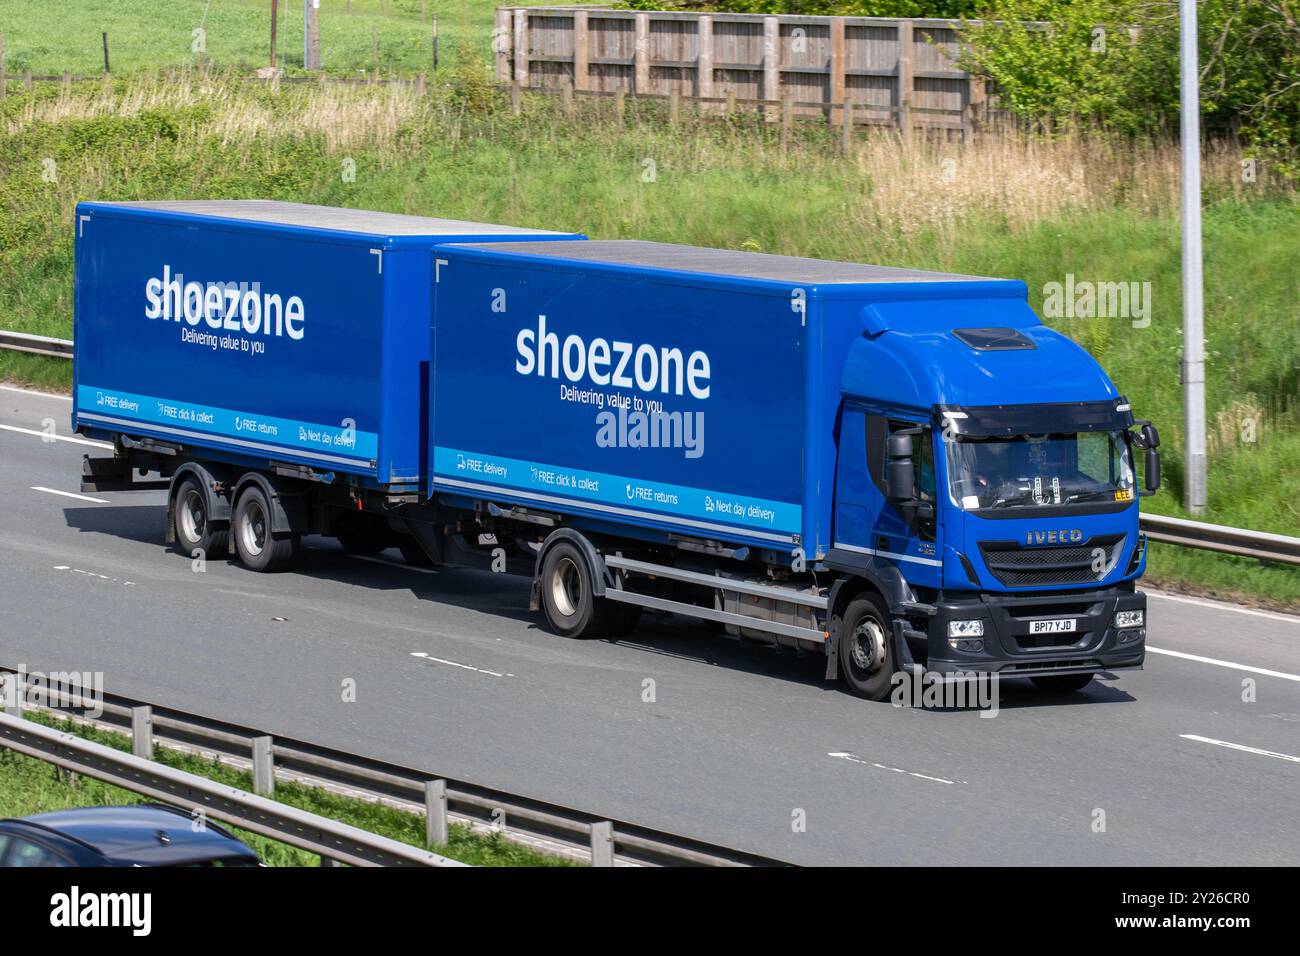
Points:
point(900, 470)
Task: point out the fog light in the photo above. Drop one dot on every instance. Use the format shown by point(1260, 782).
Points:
point(1136, 634)
point(974, 645)
point(966, 628)
point(1128, 618)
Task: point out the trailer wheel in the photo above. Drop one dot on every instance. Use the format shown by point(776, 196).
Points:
point(865, 649)
point(258, 548)
point(571, 607)
point(190, 522)
point(1062, 683)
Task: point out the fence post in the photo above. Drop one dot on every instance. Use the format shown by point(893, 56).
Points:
point(847, 144)
point(275, 27)
point(771, 65)
point(602, 844)
point(327, 861)
point(836, 86)
point(521, 47)
point(906, 46)
point(2, 66)
point(581, 50)
point(142, 731)
point(904, 119)
point(566, 97)
point(263, 767)
point(502, 43)
point(311, 34)
point(434, 27)
point(27, 79)
point(435, 813)
point(704, 59)
point(106, 69)
point(731, 102)
point(787, 118)
point(619, 95)
point(641, 67)
point(516, 98)
point(674, 106)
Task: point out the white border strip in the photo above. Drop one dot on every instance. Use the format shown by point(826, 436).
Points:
point(928, 562)
point(1229, 664)
point(209, 437)
point(498, 491)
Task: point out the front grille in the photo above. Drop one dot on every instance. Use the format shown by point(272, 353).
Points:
point(1020, 566)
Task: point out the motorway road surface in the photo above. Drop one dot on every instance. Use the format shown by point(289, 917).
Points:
point(739, 744)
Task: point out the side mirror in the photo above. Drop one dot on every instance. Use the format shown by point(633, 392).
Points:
point(900, 473)
point(901, 479)
point(1152, 467)
point(1150, 437)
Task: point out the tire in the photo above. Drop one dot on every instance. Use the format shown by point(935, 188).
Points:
point(1062, 683)
point(413, 552)
point(190, 522)
point(866, 649)
point(571, 609)
point(257, 547)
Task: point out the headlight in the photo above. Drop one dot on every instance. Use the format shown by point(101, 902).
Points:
point(1128, 618)
point(965, 628)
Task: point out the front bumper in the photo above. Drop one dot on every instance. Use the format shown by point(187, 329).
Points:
point(1009, 647)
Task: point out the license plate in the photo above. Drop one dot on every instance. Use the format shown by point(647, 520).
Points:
point(1060, 625)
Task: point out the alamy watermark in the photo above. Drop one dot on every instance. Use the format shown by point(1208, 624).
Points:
point(1088, 299)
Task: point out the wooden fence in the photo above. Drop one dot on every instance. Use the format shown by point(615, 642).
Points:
point(884, 70)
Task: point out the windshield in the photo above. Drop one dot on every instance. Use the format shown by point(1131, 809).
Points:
point(1039, 470)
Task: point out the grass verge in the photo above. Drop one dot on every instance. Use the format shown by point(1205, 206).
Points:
point(29, 785)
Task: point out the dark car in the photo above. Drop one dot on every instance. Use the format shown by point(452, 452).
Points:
point(144, 834)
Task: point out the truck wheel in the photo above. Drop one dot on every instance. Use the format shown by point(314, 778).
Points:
point(1062, 683)
point(572, 610)
point(258, 548)
point(190, 522)
point(865, 649)
point(413, 552)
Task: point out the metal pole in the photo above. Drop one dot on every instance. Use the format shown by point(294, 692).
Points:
point(311, 34)
point(1193, 370)
point(275, 10)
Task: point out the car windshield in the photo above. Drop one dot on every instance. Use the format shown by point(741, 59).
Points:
point(1032, 471)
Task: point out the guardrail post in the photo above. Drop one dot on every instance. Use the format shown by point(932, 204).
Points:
point(263, 767)
point(435, 813)
point(327, 861)
point(13, 695)
point(142, 731)
point(602, 844)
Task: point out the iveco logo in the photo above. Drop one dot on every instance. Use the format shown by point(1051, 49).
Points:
point(1061, 536)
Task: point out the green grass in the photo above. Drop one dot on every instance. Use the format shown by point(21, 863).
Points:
point(1032, 210)
point(29, 785)
point(50, 38)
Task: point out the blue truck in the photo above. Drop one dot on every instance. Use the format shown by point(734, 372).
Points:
point(903, 471)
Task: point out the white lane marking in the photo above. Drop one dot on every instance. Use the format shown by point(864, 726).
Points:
point(32, 391)
point(92, 574)
point(1242, 747)
point(46, 436)
point(854, 758)
point(438, 660)
point(1218, 663)
point(393, 564)
point(69, 494)
point(1221, 606)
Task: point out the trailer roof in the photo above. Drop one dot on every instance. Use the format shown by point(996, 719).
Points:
point(334, 218)
point(722, 262)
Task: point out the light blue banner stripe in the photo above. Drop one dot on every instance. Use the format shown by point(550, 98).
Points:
point(223, 422)
point(581, 485)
